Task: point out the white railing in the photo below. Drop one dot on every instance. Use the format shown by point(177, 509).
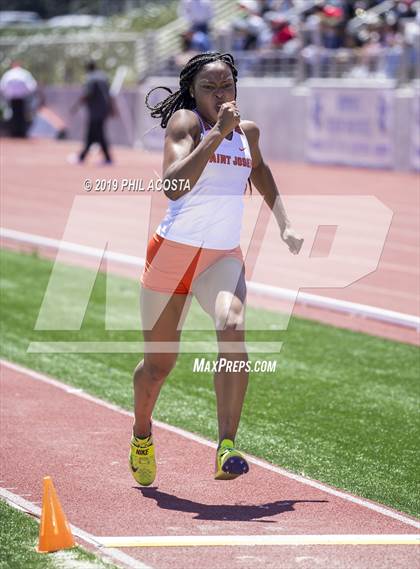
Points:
point(399, 64)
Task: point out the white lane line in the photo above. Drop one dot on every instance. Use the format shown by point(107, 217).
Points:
point(84, 250)
point(317, 301)
point(191, 436)
point(241, 540)
point(111, 554)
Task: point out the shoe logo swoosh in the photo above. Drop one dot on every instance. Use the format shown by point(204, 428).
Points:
point(132, 465)
point(242, 148)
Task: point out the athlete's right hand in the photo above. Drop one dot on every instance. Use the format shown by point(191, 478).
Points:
point(228, 118)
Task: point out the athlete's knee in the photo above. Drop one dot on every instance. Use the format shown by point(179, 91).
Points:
point(229, 313)
point(157, 369)
point(230, 321)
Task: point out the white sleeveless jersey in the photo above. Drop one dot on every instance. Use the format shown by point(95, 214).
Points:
point(210, 215)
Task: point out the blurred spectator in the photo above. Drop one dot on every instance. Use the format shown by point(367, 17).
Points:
point(100, 106)
point(252, 31)
point(18, 87)
point(198, 13)
point(332, 26)
point(198, 41)
point(282, 30)
point(372, 35)
point(190, 46)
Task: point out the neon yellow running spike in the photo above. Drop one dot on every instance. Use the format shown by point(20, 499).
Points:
point(230, 463)
point(142, 460)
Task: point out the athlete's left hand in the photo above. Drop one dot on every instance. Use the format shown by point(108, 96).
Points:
point(292, 240)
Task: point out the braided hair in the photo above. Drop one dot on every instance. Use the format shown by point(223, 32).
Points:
point(182, 99)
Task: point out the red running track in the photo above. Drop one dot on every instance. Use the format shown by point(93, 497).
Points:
point(83, 445)
point(39, 186)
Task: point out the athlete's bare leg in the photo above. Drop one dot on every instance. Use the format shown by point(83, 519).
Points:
point(161, 318)
point(221, 291)
point(230, 386)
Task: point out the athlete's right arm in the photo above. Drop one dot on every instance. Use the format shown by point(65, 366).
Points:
point(185, 157)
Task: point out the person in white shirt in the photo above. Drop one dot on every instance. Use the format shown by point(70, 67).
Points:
point(17, 86)
point(198, 13)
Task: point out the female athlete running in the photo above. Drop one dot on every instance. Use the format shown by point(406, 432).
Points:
point(195, 250)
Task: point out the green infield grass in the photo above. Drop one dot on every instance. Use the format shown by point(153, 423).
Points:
point(18, 541)
point(341, 407)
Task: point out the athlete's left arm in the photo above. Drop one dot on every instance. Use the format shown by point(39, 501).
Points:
point(263, 180)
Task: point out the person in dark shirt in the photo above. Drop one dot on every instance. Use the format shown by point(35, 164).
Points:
point(97, 98)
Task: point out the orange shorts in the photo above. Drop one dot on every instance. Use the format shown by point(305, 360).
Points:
point(171, 267)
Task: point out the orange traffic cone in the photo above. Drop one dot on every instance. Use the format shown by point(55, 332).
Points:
point(54, 531)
